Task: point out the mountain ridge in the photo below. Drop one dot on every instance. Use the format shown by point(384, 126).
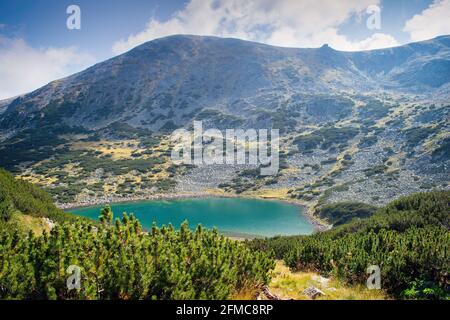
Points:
point(173, 77)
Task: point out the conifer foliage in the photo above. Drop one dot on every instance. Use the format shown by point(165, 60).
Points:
point(409, 239)
point(121, 261)
point(116, 260)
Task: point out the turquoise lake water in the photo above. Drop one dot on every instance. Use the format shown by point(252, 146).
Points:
point(231, 216)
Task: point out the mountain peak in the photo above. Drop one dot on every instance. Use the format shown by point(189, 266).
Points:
point(176, 76)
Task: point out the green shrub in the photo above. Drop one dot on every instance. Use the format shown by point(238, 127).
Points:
point(344, 212)
point(120, 261)
point(409, 239)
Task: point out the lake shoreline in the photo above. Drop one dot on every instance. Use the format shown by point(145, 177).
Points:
point(307, 210)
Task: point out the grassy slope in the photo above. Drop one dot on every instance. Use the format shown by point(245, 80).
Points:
point(29, 204)
point(27, 223)
point(344, 212)
point(290, 285)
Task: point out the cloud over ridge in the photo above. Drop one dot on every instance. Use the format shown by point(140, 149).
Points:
point(24, 68)
point(432, 22)
point(290, 23)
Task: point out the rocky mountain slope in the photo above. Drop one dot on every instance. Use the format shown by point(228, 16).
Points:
point(349, 121)
point(168, 82)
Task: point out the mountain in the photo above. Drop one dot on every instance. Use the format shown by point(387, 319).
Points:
point(415, 66)
point(168, 82)
point(349, 121)
point(4, 104)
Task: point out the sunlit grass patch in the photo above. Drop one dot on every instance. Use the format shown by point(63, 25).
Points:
point(290, 285)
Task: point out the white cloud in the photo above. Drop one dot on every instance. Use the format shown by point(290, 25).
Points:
point(24, 68)
point(306, 23)
point(432, 22)
point(376, 41)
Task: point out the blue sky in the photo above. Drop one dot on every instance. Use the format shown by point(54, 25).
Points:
point(36, 46)
point(42, 23)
